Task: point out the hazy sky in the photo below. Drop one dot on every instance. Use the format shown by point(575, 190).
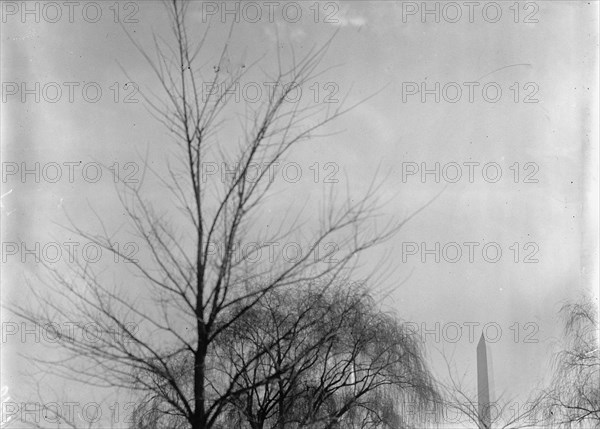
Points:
point(539, 135)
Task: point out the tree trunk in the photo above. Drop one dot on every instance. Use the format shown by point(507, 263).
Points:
point(281, 406)
point(199, 418)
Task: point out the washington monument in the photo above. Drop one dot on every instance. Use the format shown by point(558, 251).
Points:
point(483, 388)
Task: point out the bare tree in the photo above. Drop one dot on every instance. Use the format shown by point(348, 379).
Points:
point(573, 399)
point(187, 297)
point(340, 361)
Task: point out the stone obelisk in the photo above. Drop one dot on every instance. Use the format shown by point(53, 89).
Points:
point(483, 386)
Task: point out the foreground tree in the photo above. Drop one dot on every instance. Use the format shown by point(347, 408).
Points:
point(190, 297)
point(573, 400)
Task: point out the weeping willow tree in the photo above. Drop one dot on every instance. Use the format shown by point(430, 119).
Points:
point(329, 358)
point(573, 399)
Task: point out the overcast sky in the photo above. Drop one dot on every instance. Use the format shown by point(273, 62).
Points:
point(539, 135)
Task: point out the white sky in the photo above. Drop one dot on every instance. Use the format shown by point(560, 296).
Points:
point(374, 49)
